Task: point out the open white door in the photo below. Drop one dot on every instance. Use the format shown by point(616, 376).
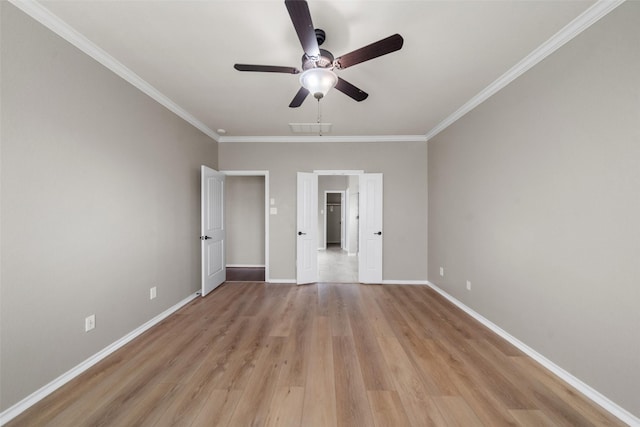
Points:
point(344, 224)
point(307, 233)
point(212, 230)
point(370, 254)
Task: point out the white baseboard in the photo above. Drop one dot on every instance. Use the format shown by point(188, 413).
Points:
point(584, 388)
point(405, 282)
point(15, 410)
point(384, 282)
point(245, 265)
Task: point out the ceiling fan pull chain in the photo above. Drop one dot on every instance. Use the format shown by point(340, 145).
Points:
point(319, 119)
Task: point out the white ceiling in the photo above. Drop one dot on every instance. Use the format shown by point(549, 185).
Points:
point(186, 51)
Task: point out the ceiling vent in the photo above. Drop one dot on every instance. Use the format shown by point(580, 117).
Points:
point(310, 128)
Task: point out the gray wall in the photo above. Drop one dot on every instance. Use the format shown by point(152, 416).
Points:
point(535, 198)
point(244, 217)
point(100, 201)
point(404, 165)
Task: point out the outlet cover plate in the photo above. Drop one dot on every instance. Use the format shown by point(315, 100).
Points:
point(89, 323)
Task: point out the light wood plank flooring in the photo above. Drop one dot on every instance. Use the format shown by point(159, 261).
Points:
point(252, 354)
point(245, 274)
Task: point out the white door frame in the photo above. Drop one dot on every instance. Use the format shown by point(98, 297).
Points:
point(264, 173)
point(342, 172)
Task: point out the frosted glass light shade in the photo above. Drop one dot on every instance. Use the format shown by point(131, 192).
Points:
point(318, 81)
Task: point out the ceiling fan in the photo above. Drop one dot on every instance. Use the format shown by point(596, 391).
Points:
point(318, 64)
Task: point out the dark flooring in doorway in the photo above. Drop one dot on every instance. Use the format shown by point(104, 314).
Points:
point(245, 274)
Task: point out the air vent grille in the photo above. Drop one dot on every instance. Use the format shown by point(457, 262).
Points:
point(310, 128)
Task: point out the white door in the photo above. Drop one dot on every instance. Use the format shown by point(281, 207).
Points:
point(307, 232)
point(212, 230)
point(370, 255)
point(344, 238)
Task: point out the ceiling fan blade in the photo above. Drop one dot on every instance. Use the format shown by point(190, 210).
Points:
point(350, 90)
point(266, 68)
point(301, 19)
point(374, 50)
point(299, 98)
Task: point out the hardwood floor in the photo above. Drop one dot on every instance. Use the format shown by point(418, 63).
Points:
point(245, 274)
point(317, 355)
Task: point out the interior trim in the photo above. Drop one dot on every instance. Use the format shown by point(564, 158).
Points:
point(245, 266)
point(267, 213)
point(572, 29)
point(405, 282)
point(325, 138)
point(64, 30)
point(331, 172)
point(584, 388)
point(15, 410)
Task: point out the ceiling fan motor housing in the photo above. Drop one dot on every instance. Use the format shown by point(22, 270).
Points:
point(318, 65)
point(320, 36)
point(325, 60)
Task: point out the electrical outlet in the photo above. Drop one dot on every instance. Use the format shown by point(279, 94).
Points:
point(152, 293)
point(441, 271)
point(89, 322)
point(468, 285)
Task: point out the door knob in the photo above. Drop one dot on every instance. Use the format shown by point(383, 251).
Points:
point(379, 233)
point(205, 237)
point(300, 233)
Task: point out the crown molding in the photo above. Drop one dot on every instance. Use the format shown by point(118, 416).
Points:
point(64, 30)
point(324, 138)
point(590, 16)
point(571, 30)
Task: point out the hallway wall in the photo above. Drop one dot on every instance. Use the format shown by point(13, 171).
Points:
point(404, 165)
point(327, 183)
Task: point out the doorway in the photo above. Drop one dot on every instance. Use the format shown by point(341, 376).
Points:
point(369, 220)
point(338, 220)
point(247, 223)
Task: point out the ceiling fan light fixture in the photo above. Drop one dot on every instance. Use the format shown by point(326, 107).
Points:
point(318, 81)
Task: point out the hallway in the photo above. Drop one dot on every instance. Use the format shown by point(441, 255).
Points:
point(335, 266)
